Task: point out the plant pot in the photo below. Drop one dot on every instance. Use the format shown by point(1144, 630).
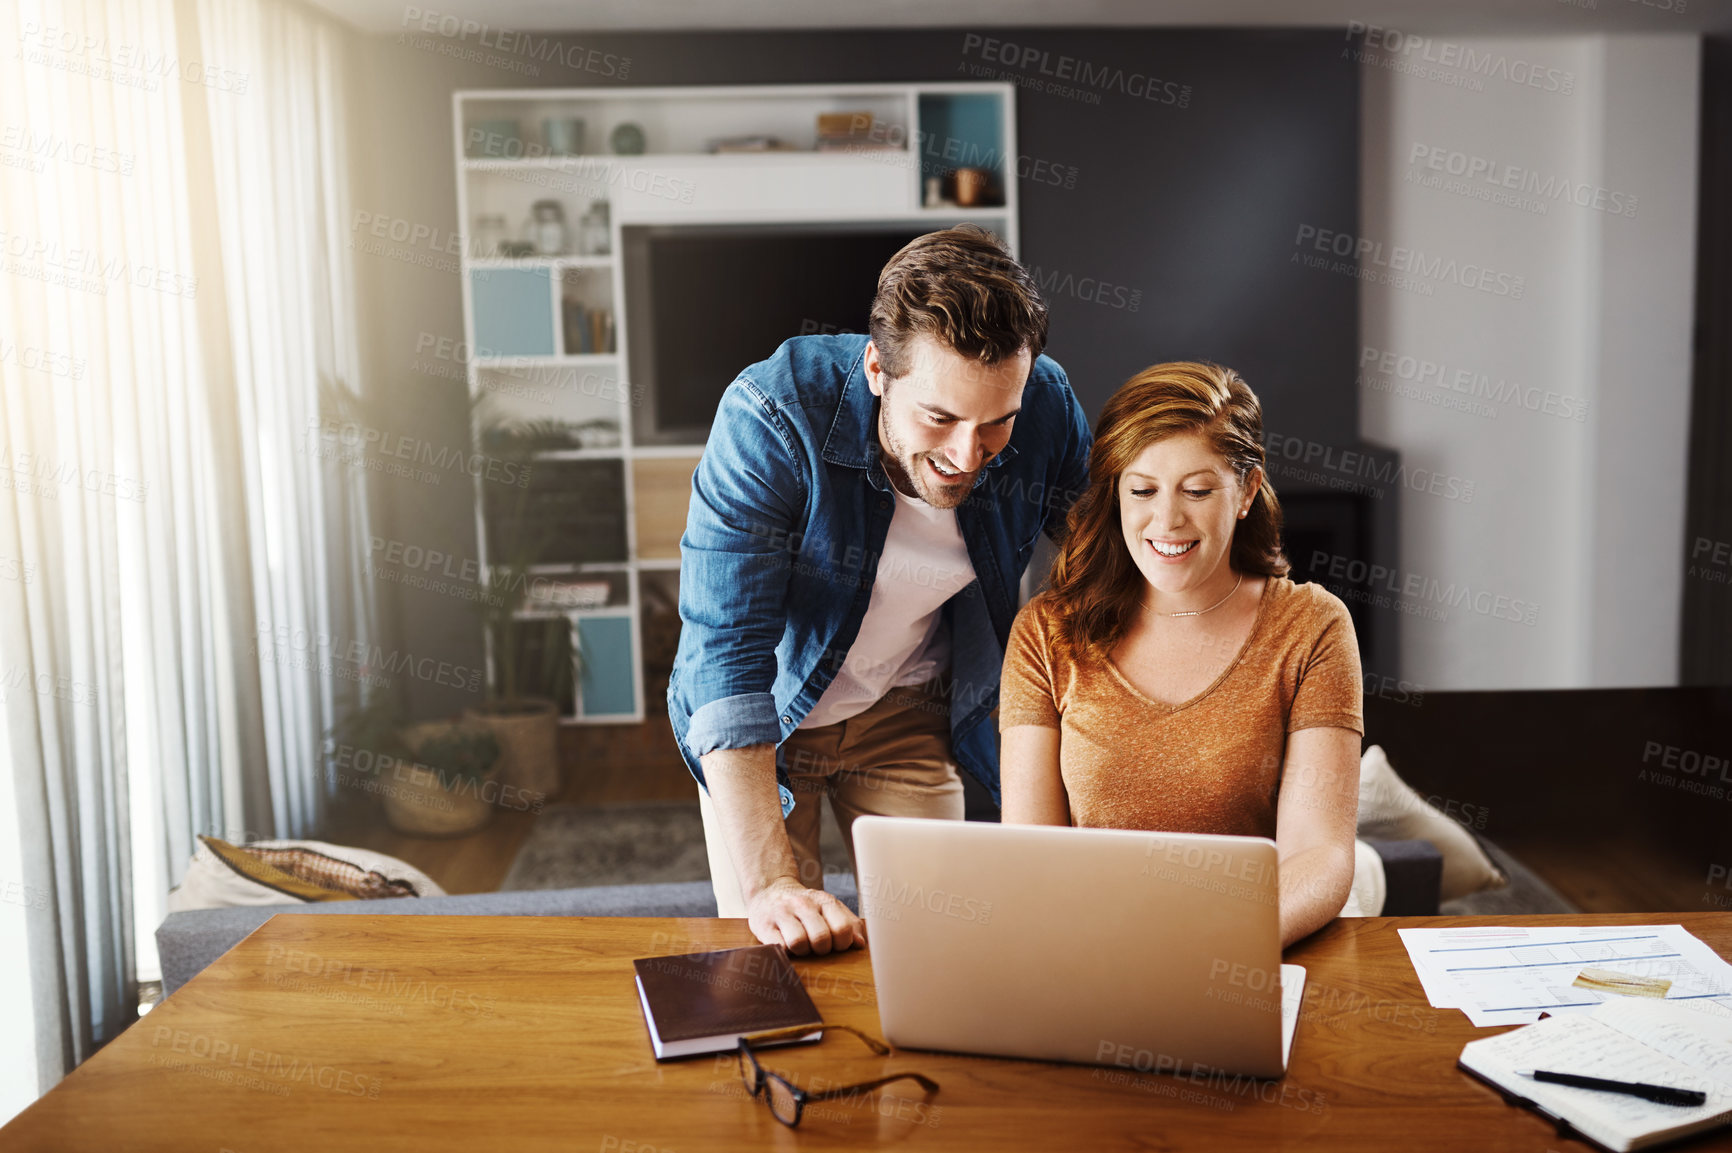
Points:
point(418, 805)
point(527, 730)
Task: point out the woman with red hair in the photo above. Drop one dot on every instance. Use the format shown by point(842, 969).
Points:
point(1171, 677)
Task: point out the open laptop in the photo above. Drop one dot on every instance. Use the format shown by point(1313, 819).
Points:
point(1158, 952)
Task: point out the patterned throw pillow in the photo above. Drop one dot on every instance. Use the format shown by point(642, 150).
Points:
point(290, 872)
point(310, 875)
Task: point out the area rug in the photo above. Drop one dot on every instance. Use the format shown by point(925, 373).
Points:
point(580, 845)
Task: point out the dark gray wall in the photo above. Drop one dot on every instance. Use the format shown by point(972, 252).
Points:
point(1194, 207)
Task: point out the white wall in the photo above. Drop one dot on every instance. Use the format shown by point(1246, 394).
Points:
point(20, 1064)
point(1578, 346)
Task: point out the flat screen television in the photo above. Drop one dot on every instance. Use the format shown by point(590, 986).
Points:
point(705, 301)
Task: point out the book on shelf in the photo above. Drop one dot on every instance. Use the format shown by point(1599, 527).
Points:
point(857, 144)
point(705, 1002)
point(1682, 1044)
point(756, 143)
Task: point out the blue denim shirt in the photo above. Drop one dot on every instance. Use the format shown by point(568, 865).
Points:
point(789, 510)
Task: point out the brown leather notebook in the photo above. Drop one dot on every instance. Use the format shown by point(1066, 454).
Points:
point(703, 1002)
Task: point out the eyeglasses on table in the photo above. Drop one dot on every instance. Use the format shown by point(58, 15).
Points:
point(788, 1101)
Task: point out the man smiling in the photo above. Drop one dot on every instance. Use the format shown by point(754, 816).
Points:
point(859, 525)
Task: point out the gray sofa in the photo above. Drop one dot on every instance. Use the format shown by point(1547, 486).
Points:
point(189, 941)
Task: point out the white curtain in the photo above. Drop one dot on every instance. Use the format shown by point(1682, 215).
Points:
point(174, 294)
point(280, 182)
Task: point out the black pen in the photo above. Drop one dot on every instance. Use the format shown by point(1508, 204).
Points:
point(1660, 1094)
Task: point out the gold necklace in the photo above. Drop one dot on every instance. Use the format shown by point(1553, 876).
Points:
point(1210, 609)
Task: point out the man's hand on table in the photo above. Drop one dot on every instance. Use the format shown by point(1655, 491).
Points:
point(785, 912)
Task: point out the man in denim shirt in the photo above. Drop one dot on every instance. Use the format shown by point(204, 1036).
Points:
point(859, 526)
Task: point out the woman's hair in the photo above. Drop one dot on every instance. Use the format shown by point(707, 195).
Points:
point(962, 287)
point(1095, 585)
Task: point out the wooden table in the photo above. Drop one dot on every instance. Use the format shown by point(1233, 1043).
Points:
point(524, 1033)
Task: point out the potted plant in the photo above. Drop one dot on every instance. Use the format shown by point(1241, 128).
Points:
point(431, 776)
point(525, 724)
point(444, 791)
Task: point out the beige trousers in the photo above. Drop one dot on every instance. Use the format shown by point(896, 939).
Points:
point(892, 760)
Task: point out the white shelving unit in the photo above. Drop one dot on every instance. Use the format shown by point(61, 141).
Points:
point(519, 352)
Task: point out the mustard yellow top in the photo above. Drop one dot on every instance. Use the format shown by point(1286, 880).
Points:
point(1209, 765)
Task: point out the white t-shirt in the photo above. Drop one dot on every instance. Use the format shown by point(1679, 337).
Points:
point(923, 564)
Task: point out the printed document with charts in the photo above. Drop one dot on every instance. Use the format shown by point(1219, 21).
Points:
point(1678, 1044)
point(1510, 974)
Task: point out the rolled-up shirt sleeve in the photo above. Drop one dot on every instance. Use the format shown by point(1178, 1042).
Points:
point(735, 722)
point(747, 506)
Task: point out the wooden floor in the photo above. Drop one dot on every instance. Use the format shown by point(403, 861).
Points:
point(1613, 877)
point(612, 764)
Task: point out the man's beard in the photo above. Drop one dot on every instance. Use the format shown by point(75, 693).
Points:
point(910, 473)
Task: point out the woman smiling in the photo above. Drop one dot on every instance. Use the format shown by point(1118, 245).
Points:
point(1171, 677)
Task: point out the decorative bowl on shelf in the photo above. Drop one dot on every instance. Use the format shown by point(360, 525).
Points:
point(627, 139)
